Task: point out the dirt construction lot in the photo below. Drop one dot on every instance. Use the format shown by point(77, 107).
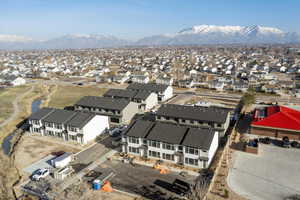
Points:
point(272, 174)
point(33, 148)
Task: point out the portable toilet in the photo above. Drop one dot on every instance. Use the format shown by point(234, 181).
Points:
point(97, 184)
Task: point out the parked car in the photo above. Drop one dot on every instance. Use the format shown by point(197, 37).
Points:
point(40, 173)
point(123, 128)
point(286, 142)
point(265, 140)
point(114, 132)
point(295, 144)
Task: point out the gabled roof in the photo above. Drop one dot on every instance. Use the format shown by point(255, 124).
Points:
point(148, 86)
point(139, 128)
point(207, 114)
point(128, 94)
point(171, 133)
point(280, 117)
point(59, 116)
point(120, 93)
point(80, 119)
point(200, 138)
point(41, 113)
point(103, 102)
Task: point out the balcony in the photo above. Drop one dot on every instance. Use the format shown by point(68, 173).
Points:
point(203, 158)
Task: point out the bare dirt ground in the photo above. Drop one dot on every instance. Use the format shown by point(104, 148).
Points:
point(96, 195)
point(32, 149)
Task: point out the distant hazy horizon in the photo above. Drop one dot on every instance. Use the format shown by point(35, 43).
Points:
point(133, 19)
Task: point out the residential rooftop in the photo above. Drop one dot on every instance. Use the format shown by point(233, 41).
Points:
point(171, 133)
point(103, 102)
point(200, 113)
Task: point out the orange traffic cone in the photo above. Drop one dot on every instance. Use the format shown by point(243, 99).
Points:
point(107, 187)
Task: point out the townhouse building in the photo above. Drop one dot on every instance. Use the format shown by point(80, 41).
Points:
point(197, 116)
point(67, 125)
point(173, 143)
point(164, 92)
point(145, 99)
point(119, 111)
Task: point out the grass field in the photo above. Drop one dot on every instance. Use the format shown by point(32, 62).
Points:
point(7, 96)
point(68, 95)
point(8, 172)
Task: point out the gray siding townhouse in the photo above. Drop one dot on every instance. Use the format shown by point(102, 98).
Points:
point(164, 92)
point(145, 99)
point(119, 111)
point(67, 125)
point(197, 116)
point(181, 145)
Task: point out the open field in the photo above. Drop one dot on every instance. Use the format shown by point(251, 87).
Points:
point(7, 96)
point(31, 149)
point(68, 95)
point(9, 174)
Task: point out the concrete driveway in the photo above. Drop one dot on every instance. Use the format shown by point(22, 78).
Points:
point(272, 174)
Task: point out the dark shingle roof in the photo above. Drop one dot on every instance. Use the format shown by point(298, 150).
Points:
point(148, 86)
point(200, 138)
point(60, 116)
point(208, 114)
point(103, 102)
point(142, 94)
point(168, 133)
point(127, 94)
point(41, 113)
point(120, 93)
point(80, 119)
point(139, 128)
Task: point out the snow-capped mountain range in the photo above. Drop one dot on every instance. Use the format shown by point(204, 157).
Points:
point(196, 35)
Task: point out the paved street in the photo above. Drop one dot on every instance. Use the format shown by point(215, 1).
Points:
point(272, 174)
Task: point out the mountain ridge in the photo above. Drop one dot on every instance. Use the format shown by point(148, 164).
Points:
point(195, 35)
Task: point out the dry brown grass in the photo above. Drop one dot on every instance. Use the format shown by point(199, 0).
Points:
point(7, 96)
point(9, 174)
point(68, 95)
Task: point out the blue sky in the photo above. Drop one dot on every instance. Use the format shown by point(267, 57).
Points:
point(132, 19)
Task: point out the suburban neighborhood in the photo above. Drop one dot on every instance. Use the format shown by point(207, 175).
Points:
point(149, 100)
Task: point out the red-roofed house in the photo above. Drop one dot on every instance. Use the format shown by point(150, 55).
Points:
point(276, 121)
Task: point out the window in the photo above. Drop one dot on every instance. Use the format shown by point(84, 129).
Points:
point(73, 129)
point(192, 121)
point(158, 117)
point(155, 144)
point(167, 118)
point(219, 125)
point(49, 125)
point(36, 130)
point(58, 126)
point(168, 156)
point(114, 120)
point(154, 154)
point(133, 140)
point(190, 150)
point(191, 161)
point(50, 133)
point(183, 120)
point(133, 150)
point(168, 146)
point(36, 122)
point(180, 148)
